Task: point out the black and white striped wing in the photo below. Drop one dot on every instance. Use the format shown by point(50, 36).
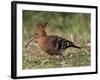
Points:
point(63, 43)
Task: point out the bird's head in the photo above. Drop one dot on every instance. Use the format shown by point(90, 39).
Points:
point(41, 31)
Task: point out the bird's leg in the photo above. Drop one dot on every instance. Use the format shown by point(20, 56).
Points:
point(52, 56)
point(61, 57)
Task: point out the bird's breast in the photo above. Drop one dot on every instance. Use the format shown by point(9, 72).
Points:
point(42, 43)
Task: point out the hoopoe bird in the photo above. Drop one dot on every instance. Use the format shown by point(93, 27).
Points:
point(51, 44)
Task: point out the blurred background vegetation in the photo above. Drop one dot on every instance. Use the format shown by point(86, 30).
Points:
point(71, 26)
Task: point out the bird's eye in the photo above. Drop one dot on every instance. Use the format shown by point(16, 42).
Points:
point(36, 34)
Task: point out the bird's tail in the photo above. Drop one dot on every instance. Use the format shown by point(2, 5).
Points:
point(76, 46)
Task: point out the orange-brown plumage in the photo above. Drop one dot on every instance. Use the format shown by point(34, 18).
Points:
point(53, 45)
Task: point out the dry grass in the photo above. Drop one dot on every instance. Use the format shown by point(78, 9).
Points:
point(34, 58)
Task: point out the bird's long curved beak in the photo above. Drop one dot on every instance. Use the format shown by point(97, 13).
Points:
point(29, 42)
